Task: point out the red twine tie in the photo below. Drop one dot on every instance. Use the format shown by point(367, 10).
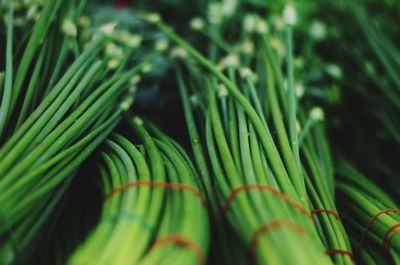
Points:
point(387, 240)
point(373, 218)
point(266, 188)
point(182, 242)
point(340, 252)
point(175, 186)
point(267, 228)
point(315, 211)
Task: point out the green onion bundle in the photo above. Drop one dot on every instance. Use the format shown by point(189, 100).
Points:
point(80, 95)
point(259, 185)
point(245, 156)
point(153, 210)
point(373, 217)
point(320, 181)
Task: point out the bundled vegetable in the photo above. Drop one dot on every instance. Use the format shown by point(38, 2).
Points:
point(151, 193)
point(320, 181)
point(268, 89)
point(246, 158)
point(364, 61)
point(372, 216)
point(76, 95)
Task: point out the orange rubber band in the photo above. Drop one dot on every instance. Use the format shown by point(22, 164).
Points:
point(373, 218)
point(340, 252)
point(328, 212)
point(141, 183)
point(387, 239)
point(267, 228)
point(182, 242)
point(267, 188)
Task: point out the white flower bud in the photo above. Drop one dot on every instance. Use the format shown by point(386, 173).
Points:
point(134, 80)
point(130, 40)
point(146, 68)
point(178, 52)
point(133, 83)
point(32, 13)
point(262, 26)
point(138, 121)
point(250, 23)
point(317, 114)
point(334, 71)
point(247, 47)
point(246, 72)
point(194, 99)
point(197, 23)
point(127, 103)
point(222, 91)
point(229, 61)
point(153, 17)
point(69, 28)
point(299, 90)
point(214, 13)
point(318, 30)
point(290, 15)
point(228, 7)
point(113, 63)
point(161, 45)
point(108, 28)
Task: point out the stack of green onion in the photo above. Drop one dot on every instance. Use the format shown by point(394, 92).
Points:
point(153, 211)
point(76, 95)
point(259, 182)
point(268, 89)
point(321, 185)
point(372, 216)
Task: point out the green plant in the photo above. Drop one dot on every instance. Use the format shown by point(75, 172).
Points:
point(370, 213)
point(150, 193)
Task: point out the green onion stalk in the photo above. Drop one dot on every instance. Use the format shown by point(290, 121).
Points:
point(249, 143)
point(317, 82)
point(373, 255)
point(372, 59)
point(312, 140)
point(365, 61)
point(385, 55)
point(71, 100)
point(171, 222)
point(371, 215)
point(320, 181)
point(381, 88)
point(35, 57)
